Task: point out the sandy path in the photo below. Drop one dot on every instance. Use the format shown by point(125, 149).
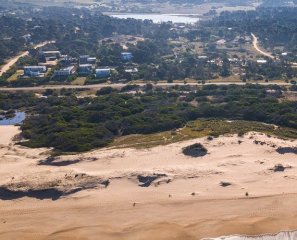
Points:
point(256, 46)
point(7, 133)
point(267, 54)
point(165, 209)
point(4, 68)
point(11, 62)
point(120, 85)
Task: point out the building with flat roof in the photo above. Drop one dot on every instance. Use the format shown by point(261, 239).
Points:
point(91, 60)
point(131, 70)
point(85, 69)
point(261, 61)
point(103, 72)
point(51, 55)
point(34, 71)
point(126, 56)
point(65, 71)
point(66, 60)
point(83, 59)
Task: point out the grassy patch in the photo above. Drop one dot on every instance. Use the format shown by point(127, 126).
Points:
point(232, 78)
point(202, 128)
point(15, 76)
point(79, 81)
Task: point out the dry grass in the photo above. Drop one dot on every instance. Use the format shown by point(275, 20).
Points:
point(232, 78)
point(290, 96)
point(79, 81)
point(15, 76)
point(202, 128)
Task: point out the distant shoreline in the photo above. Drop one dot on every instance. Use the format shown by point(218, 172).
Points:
point(154, 13)
point(160, 17)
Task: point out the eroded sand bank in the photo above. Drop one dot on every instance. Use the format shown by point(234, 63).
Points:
point(156, 193)
point(288, 235)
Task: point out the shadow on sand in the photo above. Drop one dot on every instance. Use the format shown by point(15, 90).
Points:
point(41, 194)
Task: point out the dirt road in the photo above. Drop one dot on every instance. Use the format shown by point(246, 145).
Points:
point(267, 54)
point(256, 46)
point(120, 85)
point(13, 60)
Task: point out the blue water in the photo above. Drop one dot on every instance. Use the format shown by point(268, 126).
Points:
point(18, 118)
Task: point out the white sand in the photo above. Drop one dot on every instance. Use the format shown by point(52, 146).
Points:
point(280, 236)
point(6, 135)
point(165, 210)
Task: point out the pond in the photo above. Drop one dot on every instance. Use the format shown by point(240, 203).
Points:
point(158, 18)
point(17, 119)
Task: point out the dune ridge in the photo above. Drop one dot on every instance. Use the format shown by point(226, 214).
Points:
point(283, 235)
point(243, 185)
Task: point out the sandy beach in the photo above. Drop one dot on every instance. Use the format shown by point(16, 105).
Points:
point(243, 185)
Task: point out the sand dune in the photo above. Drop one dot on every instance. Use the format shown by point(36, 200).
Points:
point(289, 235)
point(156, 193)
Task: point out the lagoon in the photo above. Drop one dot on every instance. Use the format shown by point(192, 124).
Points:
point(159, 18)
point(17, 119)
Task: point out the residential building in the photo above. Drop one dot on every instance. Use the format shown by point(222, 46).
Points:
point(127, 56)
point(85, 69)
point(131, 70)
point(51, 55)
point(91, 60)
point(261, 61)
point(103, 72)
point(203, 57)
point(83, 59)
point(67, 60)
point(65, 71)
point(34, 71)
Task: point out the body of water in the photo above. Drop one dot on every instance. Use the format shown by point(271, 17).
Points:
point(158, 18)
point(18, 118)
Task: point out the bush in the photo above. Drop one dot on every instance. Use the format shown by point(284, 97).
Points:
point(195, 150)
point(104, 91)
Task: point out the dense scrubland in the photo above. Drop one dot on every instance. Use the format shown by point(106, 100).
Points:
point(73, 124)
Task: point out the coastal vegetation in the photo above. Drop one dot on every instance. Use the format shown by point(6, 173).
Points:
point(73, 124)
point(209, 128)
point(216, 49)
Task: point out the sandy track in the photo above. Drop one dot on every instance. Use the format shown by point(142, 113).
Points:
point(267, 54)
point(120, 85)
point(4, 68)
point(165, 209)
point(256, 46)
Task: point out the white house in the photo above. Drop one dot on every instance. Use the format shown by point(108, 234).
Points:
point(127, 56)
point(103, 72)
point(65, 71)
point(34, 71)
point(85, 69)
point(261, 61)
